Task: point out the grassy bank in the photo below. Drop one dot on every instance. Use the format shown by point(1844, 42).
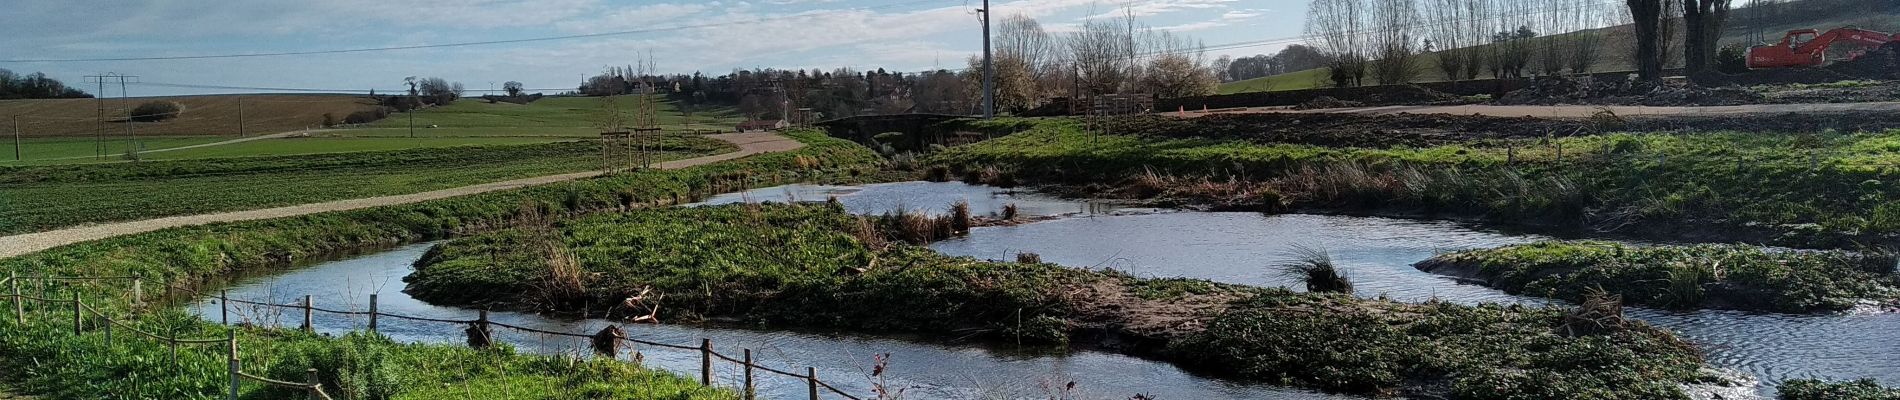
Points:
point(68, 369)
point(1812, 188)
point(1706, 276)
point(48, 197)
point(1865, 389)
point(815, 266)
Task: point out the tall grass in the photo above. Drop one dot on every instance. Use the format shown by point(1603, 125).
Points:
point(1314, 267)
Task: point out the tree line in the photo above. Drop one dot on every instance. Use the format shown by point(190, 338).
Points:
point(1387, 41)
point(1033, 66)
point(35, 86)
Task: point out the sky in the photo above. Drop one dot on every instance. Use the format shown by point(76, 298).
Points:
point(713, 37)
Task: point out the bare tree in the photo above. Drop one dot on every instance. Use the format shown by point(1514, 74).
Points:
point(1553, 49)
point(1448, 32)
point(1587, 42)
point(1394, 41)
point(1702, 21)
point(1647, 20)
point(1477, 33)
point(1022, 59)
point(1099, 53)
point(513, 88)
point(1177, 67)
point(1334, 26)
point(1512, 46)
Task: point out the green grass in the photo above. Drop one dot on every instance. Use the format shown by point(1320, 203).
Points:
point(72, 150)
point(323, 144)
point(1809, 389)
point(1705, 276)
point(43, 198)
point(45, 362)
point(796, 265)
point(1814, 189)
point(1308, 79)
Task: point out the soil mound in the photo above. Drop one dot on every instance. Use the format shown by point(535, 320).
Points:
point(1326, 102)
point(1410, 95)
point(1587, 90)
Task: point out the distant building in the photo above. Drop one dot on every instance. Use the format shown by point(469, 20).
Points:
point(763, 125)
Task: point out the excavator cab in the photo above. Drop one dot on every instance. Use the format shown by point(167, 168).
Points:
point(1784, 54)
point(1797, 38)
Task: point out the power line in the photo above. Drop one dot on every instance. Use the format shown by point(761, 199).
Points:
point(466, 44)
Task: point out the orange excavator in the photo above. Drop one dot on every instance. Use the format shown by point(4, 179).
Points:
point(1806, 48)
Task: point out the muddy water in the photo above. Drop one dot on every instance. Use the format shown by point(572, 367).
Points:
point(1377, 254)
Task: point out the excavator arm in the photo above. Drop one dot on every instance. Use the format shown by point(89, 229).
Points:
point(1807, 48)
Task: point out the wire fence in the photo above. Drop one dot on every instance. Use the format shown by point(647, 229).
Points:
point(480, 332)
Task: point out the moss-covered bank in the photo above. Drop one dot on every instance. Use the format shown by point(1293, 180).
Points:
point(815, 266)
point(1807, 189)
point(1704, 276)
point(1865, 389)
point(44, 359)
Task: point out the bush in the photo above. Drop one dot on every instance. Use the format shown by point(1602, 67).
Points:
point(156, 111)
point(1732, 59)
point(367, 116)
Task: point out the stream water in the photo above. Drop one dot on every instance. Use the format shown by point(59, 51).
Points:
point(1376, 253)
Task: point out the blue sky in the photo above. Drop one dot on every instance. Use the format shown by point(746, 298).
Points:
point(899, 35)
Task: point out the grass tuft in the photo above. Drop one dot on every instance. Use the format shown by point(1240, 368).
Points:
point(1314, 266)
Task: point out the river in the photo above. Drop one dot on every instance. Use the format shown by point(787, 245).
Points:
point(1376, 253)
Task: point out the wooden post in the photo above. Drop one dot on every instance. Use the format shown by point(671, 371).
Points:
point(171, 344)
point(315, 383)
point(749, 392)
point(811, 381)
point(106, 323)
point(1510, 154)
point(478, 333)
point(372, 312)
point(1560, 152)
point(19, 303)
point(78, 311)
point(138, 291)
point(232, 358)
point(307, 306)
point(705, 362)
point(224, 307)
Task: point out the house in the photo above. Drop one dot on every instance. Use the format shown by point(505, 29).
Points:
point(763, 125)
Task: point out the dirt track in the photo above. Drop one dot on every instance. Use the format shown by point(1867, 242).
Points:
point(1577, 111)
point(12, 246)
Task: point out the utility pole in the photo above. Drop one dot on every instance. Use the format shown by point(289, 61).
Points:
point(16, 138)
point(240, 99)
point(989, 67)
point(132, 139)
point(99, 147)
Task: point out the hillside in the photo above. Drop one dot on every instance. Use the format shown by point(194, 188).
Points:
point(1615, 50)
point(210, 115)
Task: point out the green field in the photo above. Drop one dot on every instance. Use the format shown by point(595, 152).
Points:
point(48, 197)
point(45, 150)
point(326, 144)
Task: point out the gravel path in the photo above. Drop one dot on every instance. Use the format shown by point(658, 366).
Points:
point(17, 245)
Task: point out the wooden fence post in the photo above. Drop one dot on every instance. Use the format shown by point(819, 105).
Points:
point(307, 307)
point(19, 303)
point(315, 384)
point(478, 334)
point(171, 344)
point(224, 307)
point(372, 312)
point(106, 323)
point(138, 291)
point(811, 381)
point(705, 362)
point(78, 311)
point(749, 392)
point(233, 361)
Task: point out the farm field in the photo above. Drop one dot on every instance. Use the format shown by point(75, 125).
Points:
point(46, 197)
point(44, 150)
point(210, 115)
point(553, 116)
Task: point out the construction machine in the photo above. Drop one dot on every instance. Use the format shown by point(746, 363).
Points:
point(1804, 48)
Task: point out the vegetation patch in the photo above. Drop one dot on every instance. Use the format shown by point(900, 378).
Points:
point(48, 197)
point(49, 361)
point(1824, 189)
point(815, 266)
point(1864, 389)
point(1684, 277)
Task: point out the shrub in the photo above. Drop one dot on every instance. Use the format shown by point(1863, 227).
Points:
point(1316, 268)
point(367, 116)
point(155, 111)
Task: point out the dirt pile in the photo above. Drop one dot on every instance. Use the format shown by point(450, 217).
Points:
point(1838, 92)
point(1326, 102)
point(1882, 63)
point(1588, 90)
point(1410, 95)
